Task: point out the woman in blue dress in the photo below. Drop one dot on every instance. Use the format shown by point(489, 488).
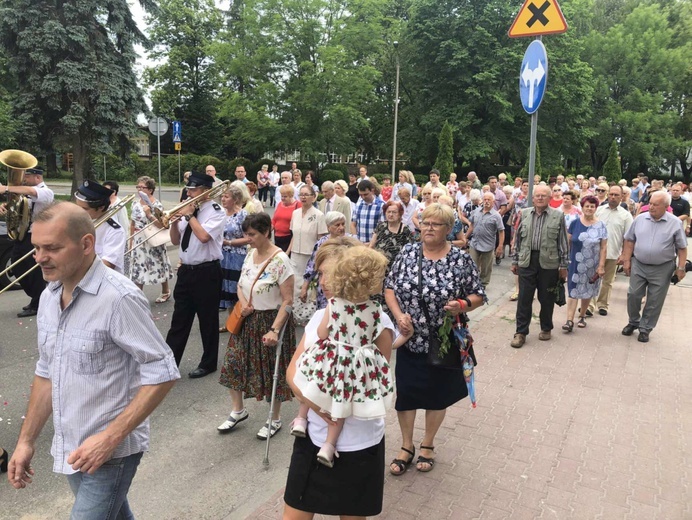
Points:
point(588, 239)
point(234, 246)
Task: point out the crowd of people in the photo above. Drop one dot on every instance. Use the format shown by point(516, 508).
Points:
point(384, 267)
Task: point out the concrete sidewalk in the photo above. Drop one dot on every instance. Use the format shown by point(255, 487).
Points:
point(590, 425)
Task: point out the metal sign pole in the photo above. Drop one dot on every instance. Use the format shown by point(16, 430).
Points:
point(158, 149)
point(396, 116)
point(532, 156)
point(179, 183)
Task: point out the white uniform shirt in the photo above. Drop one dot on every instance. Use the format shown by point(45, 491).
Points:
point(110, 243)
point(121, 216)
point(212, 218)
point(44, 197)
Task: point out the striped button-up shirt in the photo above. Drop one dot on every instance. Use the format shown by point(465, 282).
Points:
point(97, 353)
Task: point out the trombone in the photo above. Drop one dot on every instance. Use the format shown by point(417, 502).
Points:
point(108, 214)
point(166, 218)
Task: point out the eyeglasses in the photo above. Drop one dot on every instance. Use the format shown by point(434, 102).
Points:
point(601, 191)
point(305, 195)
point(432, 225)
point(557, 191)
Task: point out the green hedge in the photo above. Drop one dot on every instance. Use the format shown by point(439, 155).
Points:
point(330, 175)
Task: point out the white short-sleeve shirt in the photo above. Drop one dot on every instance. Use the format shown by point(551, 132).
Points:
point(110, 244)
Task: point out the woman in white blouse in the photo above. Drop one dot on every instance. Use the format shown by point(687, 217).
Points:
point(308, 226)
point(248, 366)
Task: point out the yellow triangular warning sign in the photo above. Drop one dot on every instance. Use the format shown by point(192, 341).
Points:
point(537, 17)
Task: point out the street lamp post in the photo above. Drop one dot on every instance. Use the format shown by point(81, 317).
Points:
point(396, 112)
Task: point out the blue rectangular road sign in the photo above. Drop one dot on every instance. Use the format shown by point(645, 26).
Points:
point(177, 127)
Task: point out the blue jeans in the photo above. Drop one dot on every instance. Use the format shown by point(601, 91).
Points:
point(103, 495)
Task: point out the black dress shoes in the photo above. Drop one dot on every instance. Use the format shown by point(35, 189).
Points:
point(27, 312)
point(643, 336)
point(200, 372)
point(629, 330)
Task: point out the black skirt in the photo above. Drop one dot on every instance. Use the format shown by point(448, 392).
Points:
point(353, 487)
point(422, 387)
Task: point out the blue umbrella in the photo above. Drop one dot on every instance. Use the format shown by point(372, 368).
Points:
point(465, 344)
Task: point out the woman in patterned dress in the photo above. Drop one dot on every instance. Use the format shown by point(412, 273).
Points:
point(234, 246)
point(588, 242)
point(248, 366)
point(450, 284)
point(392, 234)
point(148, 265)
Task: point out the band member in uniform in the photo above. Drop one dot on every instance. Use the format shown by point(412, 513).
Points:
point(40, 196)
point(110, 236)
point(198, 288)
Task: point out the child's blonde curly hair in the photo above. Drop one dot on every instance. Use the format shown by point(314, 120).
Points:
point(357, 274)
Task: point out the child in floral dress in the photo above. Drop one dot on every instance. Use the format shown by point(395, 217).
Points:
point(344, 373)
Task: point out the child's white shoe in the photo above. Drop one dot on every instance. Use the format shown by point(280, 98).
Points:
point(326, 455)
point(299, 427)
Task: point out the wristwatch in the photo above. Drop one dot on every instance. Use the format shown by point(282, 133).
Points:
point(188, 217)
point(275, 331)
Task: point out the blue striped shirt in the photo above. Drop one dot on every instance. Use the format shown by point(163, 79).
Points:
point(97, 353)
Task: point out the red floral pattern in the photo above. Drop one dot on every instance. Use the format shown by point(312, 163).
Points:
point(346, 374)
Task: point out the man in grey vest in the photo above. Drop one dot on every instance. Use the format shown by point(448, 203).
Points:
point(540, 259)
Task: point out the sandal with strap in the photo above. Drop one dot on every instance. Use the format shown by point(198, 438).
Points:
point(425, 460)
point(581, 323)
point(164, 297)
point(402, 465)
point(568, 326)
point(326, 454)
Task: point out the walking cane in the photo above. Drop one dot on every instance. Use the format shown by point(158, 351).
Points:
point(289, 311)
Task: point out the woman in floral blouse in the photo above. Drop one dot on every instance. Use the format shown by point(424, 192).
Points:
point(450, 284)
point(248, 366)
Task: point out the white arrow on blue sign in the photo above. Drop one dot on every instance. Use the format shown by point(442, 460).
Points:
point(533, 77)
point(177, 128)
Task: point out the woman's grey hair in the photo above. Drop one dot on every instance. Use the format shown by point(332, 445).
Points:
point(343, 184)
point(437, 210)
point(332, 217)
point(475, 194)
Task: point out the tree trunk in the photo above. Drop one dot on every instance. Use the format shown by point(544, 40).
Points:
point(80, 152)
point(51, 165)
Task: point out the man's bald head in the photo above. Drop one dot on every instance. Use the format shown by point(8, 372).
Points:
point(77, 221)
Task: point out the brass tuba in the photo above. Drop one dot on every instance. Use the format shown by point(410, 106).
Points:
point(18, 217)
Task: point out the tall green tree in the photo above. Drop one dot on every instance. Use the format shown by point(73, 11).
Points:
point(185, 84)
point(445, 154)
point(611, 168)
point(635, 63)
point(73, 63)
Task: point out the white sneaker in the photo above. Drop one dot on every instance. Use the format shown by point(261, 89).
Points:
point(276, 426)
point(233, 420)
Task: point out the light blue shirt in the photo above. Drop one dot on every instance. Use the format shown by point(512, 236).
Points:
point(97, 353)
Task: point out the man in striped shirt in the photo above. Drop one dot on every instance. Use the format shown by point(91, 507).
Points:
point(103, 368)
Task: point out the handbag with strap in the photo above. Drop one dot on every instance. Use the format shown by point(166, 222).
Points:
point(155, 236)
point(234, 322)
point(450, 359)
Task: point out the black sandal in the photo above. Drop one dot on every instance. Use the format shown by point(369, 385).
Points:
point(567, 327)
point(581, 323)
point(425, 460)
point(401, 464)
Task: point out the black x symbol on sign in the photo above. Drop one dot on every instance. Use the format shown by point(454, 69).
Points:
point(538, 15)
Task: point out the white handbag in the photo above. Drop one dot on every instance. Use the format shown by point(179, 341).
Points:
point(155, 236)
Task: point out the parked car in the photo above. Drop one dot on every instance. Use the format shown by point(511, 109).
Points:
point(5, 257)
